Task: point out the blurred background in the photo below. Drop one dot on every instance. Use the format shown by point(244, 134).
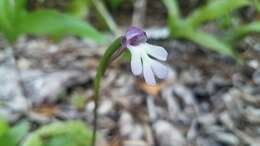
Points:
point(50, 50)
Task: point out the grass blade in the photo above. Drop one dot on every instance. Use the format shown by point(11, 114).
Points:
point(49, 22)
point(210, 42)
point(242, 31)
point(107, 18)
point(214, 10)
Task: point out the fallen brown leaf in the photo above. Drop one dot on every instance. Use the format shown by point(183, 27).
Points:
point(151, 90)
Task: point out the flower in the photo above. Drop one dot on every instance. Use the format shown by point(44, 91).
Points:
point(145, 58)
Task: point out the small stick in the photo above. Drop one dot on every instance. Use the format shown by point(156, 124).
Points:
point(139, 13)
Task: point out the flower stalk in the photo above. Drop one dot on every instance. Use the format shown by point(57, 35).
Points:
point(105, 60)
point(145, 59)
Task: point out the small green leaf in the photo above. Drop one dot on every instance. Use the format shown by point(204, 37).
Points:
point(72, 133)
point(4, 128)
point(49, 22)
point(19, 131)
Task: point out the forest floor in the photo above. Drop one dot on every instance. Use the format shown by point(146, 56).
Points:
point(207, 100)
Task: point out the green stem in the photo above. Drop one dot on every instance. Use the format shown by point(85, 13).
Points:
point(107, 18)
point(173, 9)
point(105, 60)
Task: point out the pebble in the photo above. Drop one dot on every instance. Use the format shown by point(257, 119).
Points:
point(167, 134)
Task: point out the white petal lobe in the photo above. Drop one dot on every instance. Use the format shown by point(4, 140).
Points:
point(160, 70)
point(136, 61)
point(136, 64)
point(141, 61)
point(148, 73)
point(156, 51)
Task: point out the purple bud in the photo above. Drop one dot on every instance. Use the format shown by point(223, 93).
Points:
point(134, 36)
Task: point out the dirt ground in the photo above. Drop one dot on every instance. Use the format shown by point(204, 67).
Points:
point(207, 100)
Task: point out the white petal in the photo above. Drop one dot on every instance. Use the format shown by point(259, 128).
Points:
point(160, 70)
point(148, 73)
point(156, 51)
point(136, 62)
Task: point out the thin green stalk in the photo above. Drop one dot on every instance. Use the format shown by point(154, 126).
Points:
point(173, 9)
point(105, 60)
point(176, 23)
point(107, 18)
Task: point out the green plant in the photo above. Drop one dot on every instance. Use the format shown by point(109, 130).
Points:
point(189, 27)
point(12, 136)
point(146, 60)
point(72, 133)
point(78, 101)
point(79, 8)
point(104, 62)
point(15, 21)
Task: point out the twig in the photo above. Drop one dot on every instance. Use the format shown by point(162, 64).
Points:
point(139, 13)
point(152, 117)
point(106, 16)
